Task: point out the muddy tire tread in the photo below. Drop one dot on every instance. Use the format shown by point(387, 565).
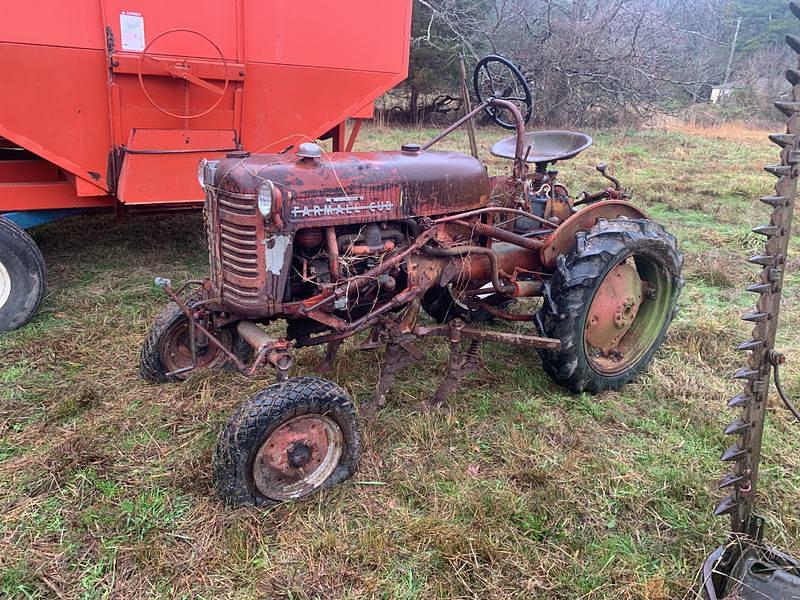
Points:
point(248, 426)
point(572, 288)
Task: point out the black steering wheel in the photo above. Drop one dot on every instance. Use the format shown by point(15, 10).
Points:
point(497, 77)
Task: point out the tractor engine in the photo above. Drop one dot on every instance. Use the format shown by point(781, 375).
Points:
point(284, 227)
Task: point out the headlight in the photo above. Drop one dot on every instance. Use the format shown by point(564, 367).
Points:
point(266, 196)
point(201, 172)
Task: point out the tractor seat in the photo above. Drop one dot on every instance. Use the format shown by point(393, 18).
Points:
point(546, 146)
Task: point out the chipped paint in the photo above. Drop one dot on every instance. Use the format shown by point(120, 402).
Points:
point(276, 246)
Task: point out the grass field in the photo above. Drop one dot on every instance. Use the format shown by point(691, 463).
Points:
point(519, 491)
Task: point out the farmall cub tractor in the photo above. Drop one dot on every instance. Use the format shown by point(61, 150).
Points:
point(344, 243)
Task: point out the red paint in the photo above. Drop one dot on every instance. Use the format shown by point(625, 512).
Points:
point(260, 76)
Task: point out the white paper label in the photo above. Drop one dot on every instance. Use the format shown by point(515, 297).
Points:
point(131, 27)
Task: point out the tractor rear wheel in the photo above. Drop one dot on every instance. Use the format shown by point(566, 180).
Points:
point(22, 276)
point(167, 348)
point(610, 303)
point(288, 441)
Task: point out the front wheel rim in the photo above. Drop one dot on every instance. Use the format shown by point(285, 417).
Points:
point(636, 317)
point(297, 457)
point(5, 285)
point(176, 348)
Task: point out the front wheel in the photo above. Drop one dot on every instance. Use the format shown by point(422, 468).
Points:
point(167, 350)
point(610, 303)
point(288, 441)
point(22, 276)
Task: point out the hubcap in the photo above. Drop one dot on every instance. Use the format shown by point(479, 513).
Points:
point(626, 315)
point(5, 285)
point(297, 457)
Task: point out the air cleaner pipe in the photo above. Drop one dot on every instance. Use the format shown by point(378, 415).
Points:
point(487, 252)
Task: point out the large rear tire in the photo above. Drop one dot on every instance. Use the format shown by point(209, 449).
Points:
point(610, 303)
point(23, 276)
point(288, 441)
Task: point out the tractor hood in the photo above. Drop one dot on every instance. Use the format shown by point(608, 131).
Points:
point(354, 187)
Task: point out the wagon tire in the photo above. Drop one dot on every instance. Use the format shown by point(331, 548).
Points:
point(168, 331)
point(23, 276)
point(288, 441)
point(634, 323)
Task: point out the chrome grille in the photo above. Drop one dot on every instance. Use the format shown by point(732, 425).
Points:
point(238, 248)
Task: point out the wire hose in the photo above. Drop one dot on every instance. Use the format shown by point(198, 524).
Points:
point(786, 400)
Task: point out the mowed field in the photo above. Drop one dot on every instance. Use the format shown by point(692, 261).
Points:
point(519, 490)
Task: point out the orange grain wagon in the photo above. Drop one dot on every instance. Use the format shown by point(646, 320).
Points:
point(112, 103)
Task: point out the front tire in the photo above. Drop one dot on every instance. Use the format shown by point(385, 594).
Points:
point(610, 303)
point(167, 348)
point(288, 441)
point(23, 276)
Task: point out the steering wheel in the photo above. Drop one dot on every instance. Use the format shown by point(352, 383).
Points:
point(497, 77)
point(180, 69)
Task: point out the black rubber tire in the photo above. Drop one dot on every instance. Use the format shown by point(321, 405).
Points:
point(252, 423)
point(569, 294)
point(151, 363)
point(23, 262)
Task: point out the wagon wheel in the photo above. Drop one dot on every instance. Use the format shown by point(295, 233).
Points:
point(180, 69)
point(610, 303)
point(499, 78)
point(22, 276)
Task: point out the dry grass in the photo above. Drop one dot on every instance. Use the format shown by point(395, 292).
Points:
point(520, 490)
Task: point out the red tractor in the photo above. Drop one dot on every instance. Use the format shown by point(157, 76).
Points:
point(350, 242)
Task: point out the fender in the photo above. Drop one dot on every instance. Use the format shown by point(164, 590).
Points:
point(562, 241)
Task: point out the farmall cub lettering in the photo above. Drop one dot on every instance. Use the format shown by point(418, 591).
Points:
point(338, 244)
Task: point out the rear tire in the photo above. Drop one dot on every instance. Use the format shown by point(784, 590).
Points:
point(642, 249)
point(288, 441)
point(23, 276)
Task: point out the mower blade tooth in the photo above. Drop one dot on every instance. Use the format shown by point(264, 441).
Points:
point(782, 139)
point(767, 230)
point(787, 108)
point(793, 76)
point(794, 42)
point(745, 373)
point(779, 170)
point(725, 506)
point(736, 426)
point(750, 345)
point(795, 8)
point(740, 400)
point(774, 201)
point(762, 259)
point(759, 288)
point(735, 452)
point(755, 317)
point(730, 479)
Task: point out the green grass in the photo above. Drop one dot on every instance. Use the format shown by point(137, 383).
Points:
point(518, 490)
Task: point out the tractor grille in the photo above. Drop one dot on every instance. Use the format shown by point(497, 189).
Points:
point(238, 248)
